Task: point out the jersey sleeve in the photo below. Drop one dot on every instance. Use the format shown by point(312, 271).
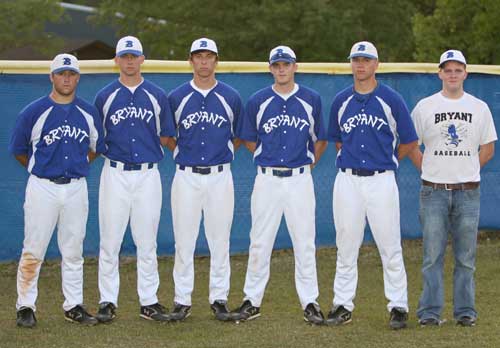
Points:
point(334, 131)
point(21, 134)
point(100, 145)
point(488, 131)
point(404, 124)
point(248, 129)
point(417, 121)
point(167, 125)
point(319, 127)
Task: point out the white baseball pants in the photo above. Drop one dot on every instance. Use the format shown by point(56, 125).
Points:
point(271, 198)
point(46, 206)
point(134, 195)
point(356, 198)
point(194, 195)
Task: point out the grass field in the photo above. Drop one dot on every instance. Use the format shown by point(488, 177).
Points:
point(281, 323)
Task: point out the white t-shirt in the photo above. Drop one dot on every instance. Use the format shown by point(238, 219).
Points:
point(452, 131)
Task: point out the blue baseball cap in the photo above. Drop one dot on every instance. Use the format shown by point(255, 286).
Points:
point(204, 44)
point(453, 55)
point(282, 54)
point(129, 44)
point(363, 49)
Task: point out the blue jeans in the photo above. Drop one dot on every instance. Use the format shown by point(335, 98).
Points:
point(457, 212)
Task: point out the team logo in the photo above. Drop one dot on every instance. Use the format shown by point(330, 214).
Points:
point(66, 61)
point(362, 48)
point(449, 55)
point(203, 43)
point(129, 43)
point(453, 134)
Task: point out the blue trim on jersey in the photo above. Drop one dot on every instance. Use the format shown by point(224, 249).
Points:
point(134, 122)
point(205, 125)
point(57, 138)
point(285, 130)
point(370, 126)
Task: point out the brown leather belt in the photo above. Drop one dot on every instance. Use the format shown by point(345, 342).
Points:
point(463, 186)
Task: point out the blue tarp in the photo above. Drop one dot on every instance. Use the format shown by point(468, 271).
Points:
point(17, 90)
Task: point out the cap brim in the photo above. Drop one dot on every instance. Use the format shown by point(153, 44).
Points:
point(451, 60)
point(134, 52)
point(282, 59)
point(365, 55)
point(205, 49)
point(64, 68)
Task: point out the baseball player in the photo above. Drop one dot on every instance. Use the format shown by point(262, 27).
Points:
point(55, 138)
point(137, 121)
point(206, 113)
point(283, 128)
point(458, 133)
point(372, 129)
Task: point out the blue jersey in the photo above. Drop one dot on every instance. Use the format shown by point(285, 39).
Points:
point(285, 130)
point(205, 124)
point(134, 122)
point(370, 126)
point(57, 137)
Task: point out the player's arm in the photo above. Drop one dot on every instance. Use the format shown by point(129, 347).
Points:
point(486, 153)
point(92, 156)
point(319, 148)
point(23, 159)
point(250, 145)
point(169, 142)
point(236, 143)
point(416, 156)
point(405, 149)
point(338, 145)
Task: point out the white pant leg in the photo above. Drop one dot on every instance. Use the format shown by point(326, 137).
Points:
point(350, 221)
point(70, 234)
point(267, 210)
point(114, 210)
point(218, 217)
point(41, 211)
point(300, 210)
point(383, 216)
point(186, 202)
point(144, 221)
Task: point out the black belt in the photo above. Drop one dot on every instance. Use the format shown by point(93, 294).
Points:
point(363, 172)
point(282, 173)
point(202, 170)
point(452, 187)
point(130, 166)
point(62, 180)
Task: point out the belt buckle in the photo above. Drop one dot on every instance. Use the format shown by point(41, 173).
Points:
point(282, 173)
point(202, 171)
point(448, 188)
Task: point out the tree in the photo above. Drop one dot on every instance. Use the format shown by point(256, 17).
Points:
point(24, 24)
point(469, 26)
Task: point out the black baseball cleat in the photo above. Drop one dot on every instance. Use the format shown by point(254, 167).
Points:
point(221, 312)
point(180, 312)
point(466, 321)
point(79, 315)
point(106, 312)
point(26, 317)
point(339, 316)
point(155, 312)
point(429, 322)
point(398, 318)
point(313, 315)
point(247, 311)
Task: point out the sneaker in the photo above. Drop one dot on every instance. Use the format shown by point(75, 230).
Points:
point(313, 315)
point(106, 312)
point(222, 313)
point(466, 321)
point(247, 311)
point(180, 312)
point(79, 315)
point(154, 312)
point(26, 317)
point(398, 319)
point(339, 316)
point(429, 322)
